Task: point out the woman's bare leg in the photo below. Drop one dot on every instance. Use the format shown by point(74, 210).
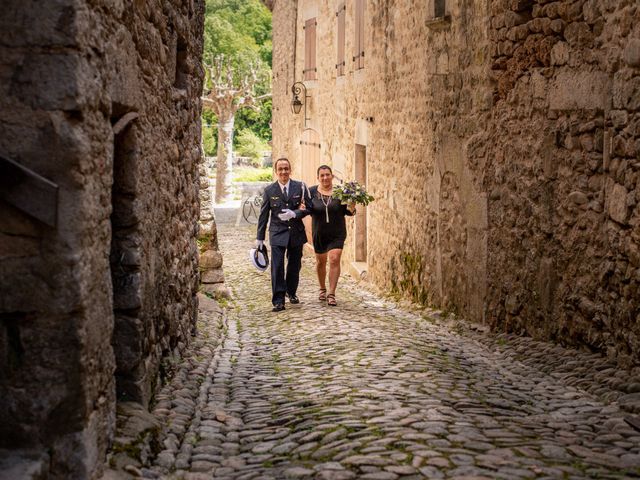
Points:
point(334, 268)
point(321, 269)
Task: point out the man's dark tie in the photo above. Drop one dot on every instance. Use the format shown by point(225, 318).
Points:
point(284, 192)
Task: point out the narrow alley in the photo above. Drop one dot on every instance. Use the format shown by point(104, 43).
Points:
point(368, 390)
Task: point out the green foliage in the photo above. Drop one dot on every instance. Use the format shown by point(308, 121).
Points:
point(242, 26)
point(257, 122)
point(241, 31)
point(209, 140)
point(253, 174)
point(250, 145)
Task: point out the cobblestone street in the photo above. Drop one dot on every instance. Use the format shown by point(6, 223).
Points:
point(373, 390)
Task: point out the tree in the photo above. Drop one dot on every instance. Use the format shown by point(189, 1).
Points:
point(237, 49)
point(231, 90)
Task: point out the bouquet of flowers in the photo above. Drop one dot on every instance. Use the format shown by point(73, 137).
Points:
point(352, 192)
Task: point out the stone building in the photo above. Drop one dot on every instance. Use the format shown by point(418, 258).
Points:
point(501, 139)
point(99, 152)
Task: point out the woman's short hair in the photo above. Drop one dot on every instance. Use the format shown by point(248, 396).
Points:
point(324, 167)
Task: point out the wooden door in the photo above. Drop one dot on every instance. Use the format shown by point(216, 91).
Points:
point(361, 216)
point(310, 161)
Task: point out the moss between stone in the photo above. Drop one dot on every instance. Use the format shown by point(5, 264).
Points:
point(408, 278)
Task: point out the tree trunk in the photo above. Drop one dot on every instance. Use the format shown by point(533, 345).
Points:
point(224, 160)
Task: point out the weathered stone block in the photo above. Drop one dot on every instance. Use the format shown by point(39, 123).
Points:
point(580, 90)
point(51, 82)
point(570, 12)
point(631, 53)
point(557, 26)
point(210, 259)
point(519, 33)
point(579, 198)
point(512, 304)
point(127, 291)
point(520, 5)
point(217, 290)
point(622, 146)
point(213, 276)
point(626, 93)
point(619, 118)
point(126, 212)
point(55, 21)
point(537, 11)
point(578, 34)
point(551, 9)
point(138, 420)
point(617, 203)
point(591, 11)
point(208, 305)
point(511, 18)
point(127, 342)
point(124, 89)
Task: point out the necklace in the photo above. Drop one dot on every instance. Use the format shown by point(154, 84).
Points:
point(326, 204)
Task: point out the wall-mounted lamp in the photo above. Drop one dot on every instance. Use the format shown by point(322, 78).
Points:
point(296, 103)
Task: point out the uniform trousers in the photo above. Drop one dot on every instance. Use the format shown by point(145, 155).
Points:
point(285, 280)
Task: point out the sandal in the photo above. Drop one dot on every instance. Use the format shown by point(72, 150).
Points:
point(322, 296)
point(331, 300)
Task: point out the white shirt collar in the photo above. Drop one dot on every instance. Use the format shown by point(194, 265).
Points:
point(286, 185)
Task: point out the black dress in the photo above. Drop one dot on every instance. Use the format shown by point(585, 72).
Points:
point(327, 236)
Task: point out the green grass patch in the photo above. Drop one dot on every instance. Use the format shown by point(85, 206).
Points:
point(249, 174)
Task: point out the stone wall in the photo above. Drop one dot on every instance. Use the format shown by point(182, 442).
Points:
point(563, 172)
point(100, 98)
point(502, 147)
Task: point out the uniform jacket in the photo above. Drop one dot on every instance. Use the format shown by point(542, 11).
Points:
point(291, 232)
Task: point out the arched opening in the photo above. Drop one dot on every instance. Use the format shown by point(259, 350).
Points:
point(124, 259)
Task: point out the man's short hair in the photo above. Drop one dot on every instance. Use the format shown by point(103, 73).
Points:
point(283, 159)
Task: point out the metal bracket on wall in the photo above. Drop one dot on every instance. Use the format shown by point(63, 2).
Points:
point(28, 191)
point(312, 144)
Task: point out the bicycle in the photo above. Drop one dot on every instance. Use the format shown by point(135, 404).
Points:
point(251, 209)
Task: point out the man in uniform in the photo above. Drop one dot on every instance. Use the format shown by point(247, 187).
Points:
point(281, 210)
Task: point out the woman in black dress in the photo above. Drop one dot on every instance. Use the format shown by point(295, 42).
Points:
point(329, 232)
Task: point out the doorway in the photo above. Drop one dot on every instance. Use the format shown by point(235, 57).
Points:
point(310, 143)
point(361, 217)
point(310, 161)
point(128, 332)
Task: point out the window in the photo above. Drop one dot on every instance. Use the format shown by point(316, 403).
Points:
point(181, 75)
point(310, 69)
point(340, 64)
point(440, 20)
point(358, 55)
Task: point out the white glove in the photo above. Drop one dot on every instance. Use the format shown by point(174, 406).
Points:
point(259, 244)
point(286, 215)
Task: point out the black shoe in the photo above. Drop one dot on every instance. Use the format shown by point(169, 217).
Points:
point(293, 299)
point(278, 307)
